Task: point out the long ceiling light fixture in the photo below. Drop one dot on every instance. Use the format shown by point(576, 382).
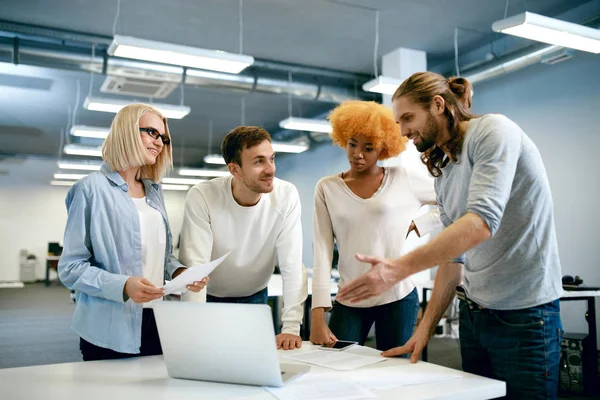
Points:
point(550, 30)
point(278, 147)
point(169, 53)
point(115, 105)
point(305, 124)
point(182, 181)
point(75, 177)
point(214, 159)
point(175, 187)
point(89, 131)
point(164, 186)
point(79, 166)
point(79, 150)
point(282, 147)
point(202, 172)
point(62, 183)
point(382, 84)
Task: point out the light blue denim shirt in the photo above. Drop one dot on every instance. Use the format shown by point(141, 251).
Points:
point(102, 249)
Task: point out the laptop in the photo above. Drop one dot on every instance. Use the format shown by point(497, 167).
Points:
point(219, 342)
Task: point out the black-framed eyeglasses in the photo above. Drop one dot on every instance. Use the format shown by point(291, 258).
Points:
point(154, 134)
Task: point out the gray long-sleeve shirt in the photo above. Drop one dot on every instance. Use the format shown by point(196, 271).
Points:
point(500, 176)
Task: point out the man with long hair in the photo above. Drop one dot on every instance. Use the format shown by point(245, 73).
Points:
point(495, 201)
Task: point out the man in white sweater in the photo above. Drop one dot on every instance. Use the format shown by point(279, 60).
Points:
point(256, 217)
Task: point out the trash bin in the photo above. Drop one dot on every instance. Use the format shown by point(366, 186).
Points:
point(29, 265)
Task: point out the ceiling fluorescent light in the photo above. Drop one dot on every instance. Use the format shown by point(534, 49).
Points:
point(382, 84)
point(550, 30)
point(214, 159)
point(305, 124)
point(175, 187)
point(202, 172)
point(169, 53)
point(82, 166)
point(89, 131)
point(75, 177)
point(182, 181)
point(115, 105)
point(75, 149)
point(280, 147)
point(62, 183)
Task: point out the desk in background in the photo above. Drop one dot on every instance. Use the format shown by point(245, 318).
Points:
point(146, 378)
point(51, 263)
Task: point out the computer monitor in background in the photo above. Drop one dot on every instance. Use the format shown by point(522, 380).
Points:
point(54, 249)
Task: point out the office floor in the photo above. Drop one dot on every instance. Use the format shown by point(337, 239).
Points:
point(35, 326)
point(35, 329)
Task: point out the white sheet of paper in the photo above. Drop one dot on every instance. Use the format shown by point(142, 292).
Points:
point(403, 375)
point(191, 275)
point(321, 387)
point(339, 360)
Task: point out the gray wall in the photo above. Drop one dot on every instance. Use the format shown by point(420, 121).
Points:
point(558, 106)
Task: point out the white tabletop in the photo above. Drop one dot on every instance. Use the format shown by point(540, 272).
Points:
point(146, 378)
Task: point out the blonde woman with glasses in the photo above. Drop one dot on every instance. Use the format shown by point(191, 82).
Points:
point(117, 243)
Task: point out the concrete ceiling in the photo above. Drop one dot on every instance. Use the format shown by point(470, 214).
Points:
point(337, 35)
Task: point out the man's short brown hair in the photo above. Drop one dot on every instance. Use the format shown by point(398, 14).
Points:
point(242, 137)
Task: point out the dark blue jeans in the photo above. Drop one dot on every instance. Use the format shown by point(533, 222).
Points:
point(260, 297)
point(394, 322)
point(519, 347)
point(150, 343)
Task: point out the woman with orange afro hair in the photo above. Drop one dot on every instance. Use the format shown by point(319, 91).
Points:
point(366, 209)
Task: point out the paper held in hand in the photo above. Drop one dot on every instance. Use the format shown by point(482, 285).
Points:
point(193, 274)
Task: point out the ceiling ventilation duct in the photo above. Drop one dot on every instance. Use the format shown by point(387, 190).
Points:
point(558, 57)
point(137, 87)
point(514, 62)
point(53, 48)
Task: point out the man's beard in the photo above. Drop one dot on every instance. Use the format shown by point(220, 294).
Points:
point(255, 186)
point(428, 136)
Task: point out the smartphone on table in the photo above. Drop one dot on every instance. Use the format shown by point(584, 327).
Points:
point(339, 345)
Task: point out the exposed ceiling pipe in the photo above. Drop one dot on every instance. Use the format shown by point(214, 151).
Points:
point(71, 50)
point(518, 60)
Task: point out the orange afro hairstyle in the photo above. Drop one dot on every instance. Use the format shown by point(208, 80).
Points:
point(370, 119)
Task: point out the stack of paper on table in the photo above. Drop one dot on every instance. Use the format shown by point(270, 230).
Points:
point(339, 360)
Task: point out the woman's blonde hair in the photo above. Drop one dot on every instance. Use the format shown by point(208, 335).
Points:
point(124, 149)
point(370, 119)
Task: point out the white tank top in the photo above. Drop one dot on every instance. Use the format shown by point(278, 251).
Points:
point(154, 241)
